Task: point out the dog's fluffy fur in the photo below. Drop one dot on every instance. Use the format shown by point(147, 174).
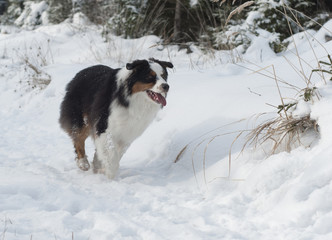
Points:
point(114, 107)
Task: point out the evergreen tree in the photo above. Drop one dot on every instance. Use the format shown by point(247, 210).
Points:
point(282, 18)
point(127, 18)
point(59, 10)
point(285, 18)
point(13, 9)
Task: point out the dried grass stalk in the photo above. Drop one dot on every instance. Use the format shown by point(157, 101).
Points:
point(238, 10)
point(281, 131)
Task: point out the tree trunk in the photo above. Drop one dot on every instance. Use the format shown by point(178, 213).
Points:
point(177, 22)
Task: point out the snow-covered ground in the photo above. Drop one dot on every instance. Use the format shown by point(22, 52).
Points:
point(43, 195)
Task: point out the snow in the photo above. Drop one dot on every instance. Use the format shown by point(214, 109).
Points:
point(43, 195)
point(80, 19)
point(33, 14)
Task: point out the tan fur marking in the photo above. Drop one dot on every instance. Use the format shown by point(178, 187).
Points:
point(79, 141)
point(141, 87)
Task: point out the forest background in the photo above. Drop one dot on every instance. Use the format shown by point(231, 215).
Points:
point(217, 25)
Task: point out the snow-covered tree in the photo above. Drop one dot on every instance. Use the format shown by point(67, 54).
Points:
point(285, 17)
point(59, 10)
point(280, 18)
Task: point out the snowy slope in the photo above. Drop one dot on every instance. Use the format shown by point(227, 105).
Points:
point(44, 196)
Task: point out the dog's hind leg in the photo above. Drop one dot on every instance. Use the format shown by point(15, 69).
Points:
point(75, 124)
point(79, 138)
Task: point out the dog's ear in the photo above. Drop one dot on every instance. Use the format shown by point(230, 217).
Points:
point(136, 63)
point(162, 63)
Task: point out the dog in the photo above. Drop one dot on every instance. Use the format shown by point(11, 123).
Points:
point(114, 107)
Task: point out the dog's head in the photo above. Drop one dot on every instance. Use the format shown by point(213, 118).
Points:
point(149, 77)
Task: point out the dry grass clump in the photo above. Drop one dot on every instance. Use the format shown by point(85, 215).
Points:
point(288, 130)
point(284, 133)
point(37, 78)
point(34, 58)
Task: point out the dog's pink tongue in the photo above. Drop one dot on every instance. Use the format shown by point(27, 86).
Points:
point(161, 99)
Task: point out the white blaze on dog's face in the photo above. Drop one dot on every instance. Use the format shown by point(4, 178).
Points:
point(161, 86)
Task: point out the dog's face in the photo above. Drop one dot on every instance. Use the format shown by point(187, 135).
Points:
point(150, 77)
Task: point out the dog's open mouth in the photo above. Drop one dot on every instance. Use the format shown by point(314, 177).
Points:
point(157, 97)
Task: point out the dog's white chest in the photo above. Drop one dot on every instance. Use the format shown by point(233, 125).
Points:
point(126, 124)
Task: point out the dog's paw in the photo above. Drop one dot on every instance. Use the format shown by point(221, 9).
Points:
point(83, 163)
point(110, 174)
point(111, 170)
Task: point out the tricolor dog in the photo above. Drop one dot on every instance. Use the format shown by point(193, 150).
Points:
point(114, 107)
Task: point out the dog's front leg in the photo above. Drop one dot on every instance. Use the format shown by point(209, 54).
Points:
point(108, 155)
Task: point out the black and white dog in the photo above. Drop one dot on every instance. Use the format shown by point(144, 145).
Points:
point(114, 107)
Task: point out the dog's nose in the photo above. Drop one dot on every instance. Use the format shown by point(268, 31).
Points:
point(165, 87)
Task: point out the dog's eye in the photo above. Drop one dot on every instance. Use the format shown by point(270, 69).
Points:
point(151, 78)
